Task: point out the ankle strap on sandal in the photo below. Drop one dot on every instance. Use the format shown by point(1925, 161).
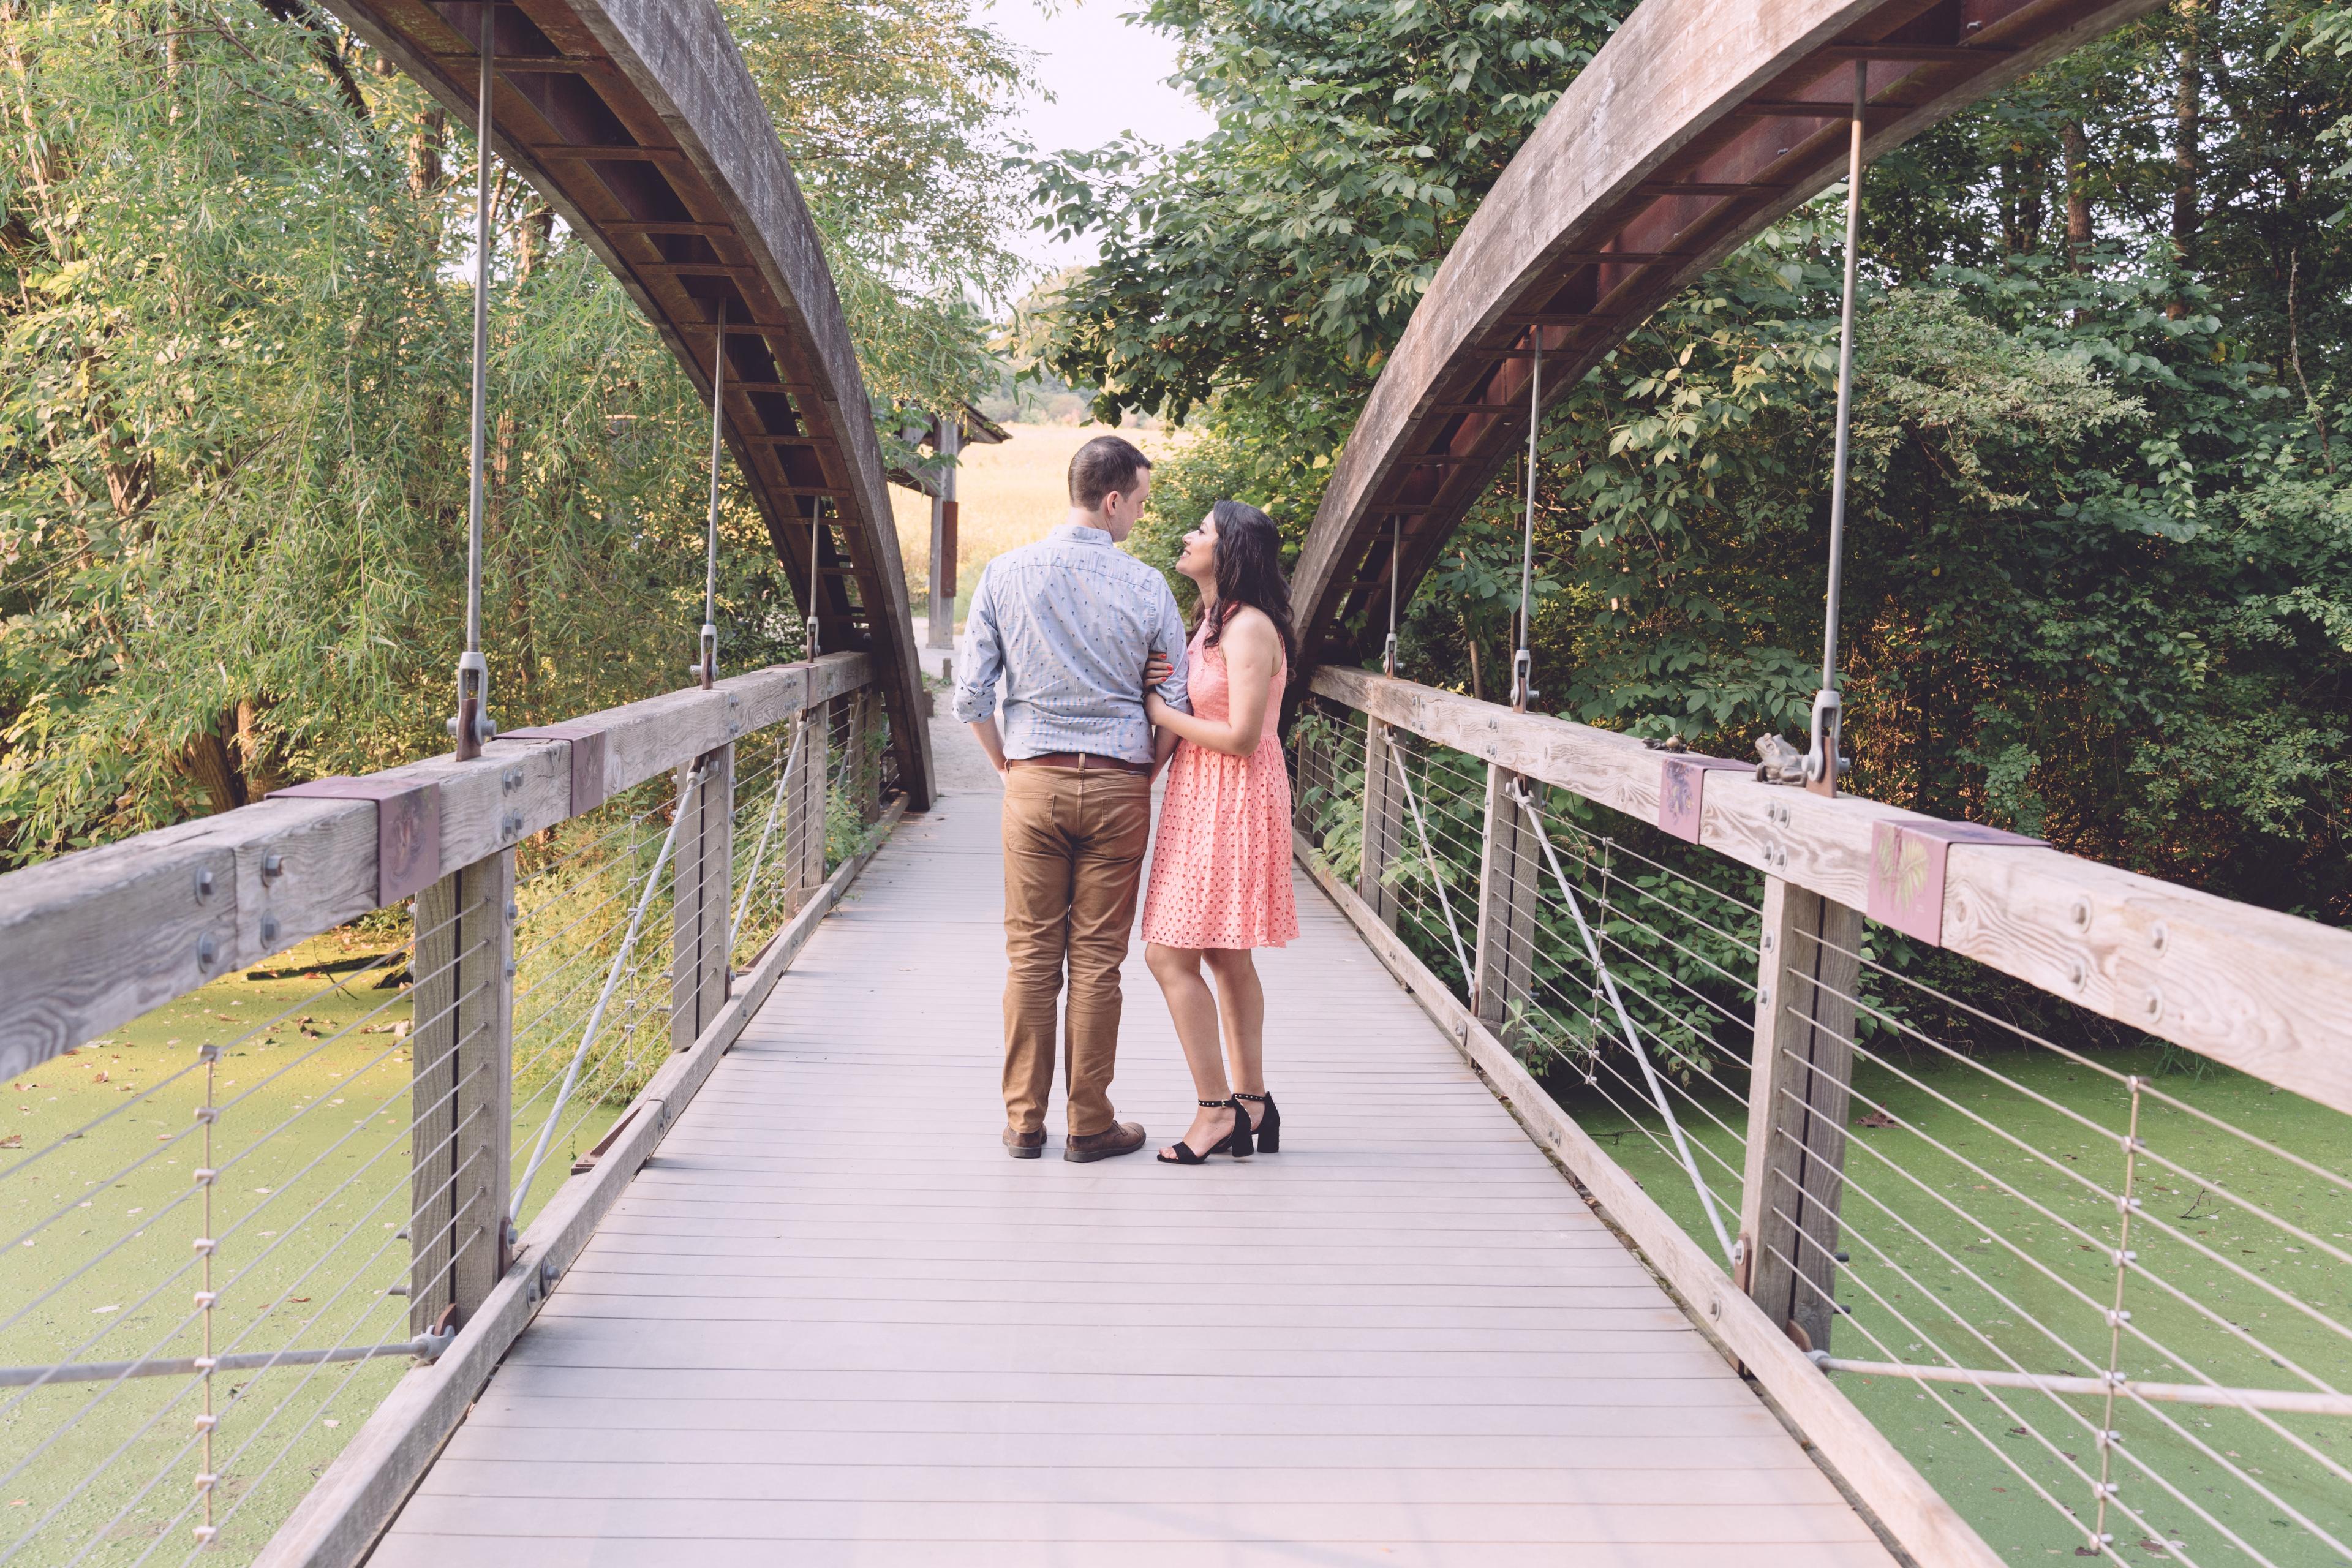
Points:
point(1239, 1095)
point(1214, 1104)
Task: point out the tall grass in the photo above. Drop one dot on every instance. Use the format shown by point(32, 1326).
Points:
point(1011, 495)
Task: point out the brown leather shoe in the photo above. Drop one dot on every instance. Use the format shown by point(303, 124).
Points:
point(1118, 1138)
point(1025, 1146)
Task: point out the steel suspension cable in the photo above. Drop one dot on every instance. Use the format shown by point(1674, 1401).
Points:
point(685, 795)
point(1522, 662)
point(1436, 877)
point(752, 879)
point(706, 665)
point(471, 726)
point(816, 536)
point(1821, 761)
point(1624, 1020)
point(1396, 569)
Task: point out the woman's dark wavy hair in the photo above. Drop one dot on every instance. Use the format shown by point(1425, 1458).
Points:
point(1249, 572)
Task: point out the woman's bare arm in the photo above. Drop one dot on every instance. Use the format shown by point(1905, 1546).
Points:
point(1251, 648)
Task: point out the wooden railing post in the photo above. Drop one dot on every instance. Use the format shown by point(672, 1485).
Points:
point(701, 970)
point(1383, 822)
point(462, 1040)
point(805, 806)
point(1509, 869)
point(1799, 1085)
point(864, 768)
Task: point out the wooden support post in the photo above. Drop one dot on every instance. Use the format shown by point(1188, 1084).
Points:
point(804, 807)
point(1384, 828)
point(941, 631)
point(1800, 1085)
point(462, 1040)
point(863, 768)
point(1510, 871)
point(701, 897)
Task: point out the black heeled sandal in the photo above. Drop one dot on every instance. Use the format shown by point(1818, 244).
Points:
point(1237, 1142)
point(1269, 1132)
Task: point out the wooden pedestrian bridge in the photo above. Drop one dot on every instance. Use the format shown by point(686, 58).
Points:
point(1642, 1201)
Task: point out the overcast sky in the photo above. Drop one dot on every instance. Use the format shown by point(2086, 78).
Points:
point(1106, 78)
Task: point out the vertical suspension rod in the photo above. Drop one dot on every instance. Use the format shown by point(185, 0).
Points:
point(470, 726)
point(1396, 569)
point(1522, 661)
point(817, 582)
point(707, 667)
point(1845, 381)
point(1821, 760)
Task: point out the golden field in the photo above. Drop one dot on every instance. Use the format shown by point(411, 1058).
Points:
point(1011, 495)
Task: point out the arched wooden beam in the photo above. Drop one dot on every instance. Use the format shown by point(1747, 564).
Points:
point(639, 123)
point(1700, 123)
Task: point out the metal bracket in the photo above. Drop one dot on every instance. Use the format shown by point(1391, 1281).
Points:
point(407, 827)
point(473, 703)
point(1828, 718)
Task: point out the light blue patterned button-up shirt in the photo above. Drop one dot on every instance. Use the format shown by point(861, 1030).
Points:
point(1066, 624)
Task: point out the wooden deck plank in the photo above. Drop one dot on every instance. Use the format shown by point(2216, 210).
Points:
point(1182, 1414)
point(1202, 1519)
point(438, 1550)
point(566, 1443)
point(1210, 1478)
point(830, 1322)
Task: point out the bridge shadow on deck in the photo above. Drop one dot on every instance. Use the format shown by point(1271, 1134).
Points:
point(830, 1323)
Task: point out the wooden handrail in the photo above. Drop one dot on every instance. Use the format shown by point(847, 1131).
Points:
point(92, 940)
point(2267, 993)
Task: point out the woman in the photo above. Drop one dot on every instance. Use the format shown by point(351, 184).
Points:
point(1220, 867)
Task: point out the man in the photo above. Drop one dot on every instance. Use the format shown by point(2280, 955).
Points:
point(1067, 625)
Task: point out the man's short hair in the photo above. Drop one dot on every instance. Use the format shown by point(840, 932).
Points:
point(1104, 464)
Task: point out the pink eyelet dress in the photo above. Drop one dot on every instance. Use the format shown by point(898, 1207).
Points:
point(1220, 864)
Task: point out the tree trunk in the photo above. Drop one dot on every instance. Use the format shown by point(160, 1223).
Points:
point(2187, 106)
point(261, 775)
point(2076, 151)
point(424, 152)
point(206, 760)
point(2033, 180)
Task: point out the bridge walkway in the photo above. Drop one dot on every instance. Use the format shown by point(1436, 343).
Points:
point(830, 1323)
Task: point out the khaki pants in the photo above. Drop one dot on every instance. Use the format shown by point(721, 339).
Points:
point(1074, 846)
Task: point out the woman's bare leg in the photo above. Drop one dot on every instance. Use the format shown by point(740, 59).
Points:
point(1194, 1009)
point(1241, 1002)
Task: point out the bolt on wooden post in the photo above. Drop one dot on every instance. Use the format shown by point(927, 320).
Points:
point(462, 1041)
point(1800, 1084)
point(1383, 821)
point(1509, 869)
point(700, 967)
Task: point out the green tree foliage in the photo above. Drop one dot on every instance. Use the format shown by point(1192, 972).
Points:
point(1281, 256)
point(233, 322)
point(2100, 567)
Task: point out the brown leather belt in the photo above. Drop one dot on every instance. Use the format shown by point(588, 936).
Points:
point(1081, 760)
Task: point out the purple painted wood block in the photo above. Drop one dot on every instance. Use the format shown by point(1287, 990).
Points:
point(407, 827)
point(1682, 790)
point(587, 738)
point(1906, 871)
